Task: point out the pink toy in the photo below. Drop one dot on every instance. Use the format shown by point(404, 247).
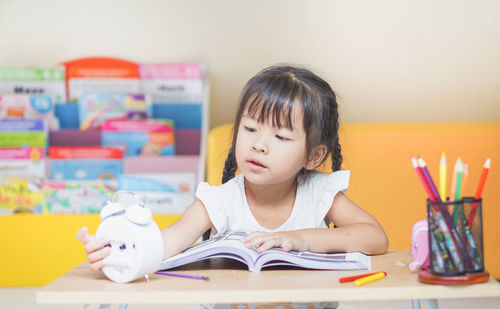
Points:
point(420, 246)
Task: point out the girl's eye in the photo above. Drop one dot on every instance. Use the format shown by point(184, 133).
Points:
point(249, 129)
point(282, 138)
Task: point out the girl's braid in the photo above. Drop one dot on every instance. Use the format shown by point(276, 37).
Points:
point(336, 155)
point(230, 166)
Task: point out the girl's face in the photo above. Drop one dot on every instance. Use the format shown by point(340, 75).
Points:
point(268, 155)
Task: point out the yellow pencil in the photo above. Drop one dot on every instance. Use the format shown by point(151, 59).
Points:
point(442, 177)
point(369, 279)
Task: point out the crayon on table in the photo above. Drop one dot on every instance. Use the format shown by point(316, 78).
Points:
point(368, 279)
point(353, 278)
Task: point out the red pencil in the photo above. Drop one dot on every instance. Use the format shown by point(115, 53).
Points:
point(353, 278)
point(479, 190)
point(422, 179)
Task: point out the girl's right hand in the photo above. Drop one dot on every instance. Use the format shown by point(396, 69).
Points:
point(96, 249)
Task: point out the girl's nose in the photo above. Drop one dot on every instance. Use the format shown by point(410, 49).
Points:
point(258, 146)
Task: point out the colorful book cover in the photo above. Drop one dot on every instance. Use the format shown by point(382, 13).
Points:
point(100, 75)
point(94, 108)
point(20, 194)
point(85, 163)
point(49, 81)
point(22, 162)
point(21, 106)
point(22, 133)
point(85, 152)
point(77, 197)
point(173, 83)
point(163, 193)
point(139, 137)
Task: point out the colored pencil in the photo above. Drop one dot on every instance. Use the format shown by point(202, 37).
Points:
point(458, 191)
point(479, 190)
point(422, 179)
point(442, 177)
point(460, 173)
point(454, 180)
point(428, 178)
point(166, 273)
point(464, 178)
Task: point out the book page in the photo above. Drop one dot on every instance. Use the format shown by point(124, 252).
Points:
point(312, 260)
point(223, 246)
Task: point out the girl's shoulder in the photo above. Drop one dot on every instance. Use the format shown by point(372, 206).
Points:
point(319, 190)
point(229, 187)
point(338, 180)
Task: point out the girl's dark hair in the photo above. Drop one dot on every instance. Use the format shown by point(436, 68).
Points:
point(270, 96)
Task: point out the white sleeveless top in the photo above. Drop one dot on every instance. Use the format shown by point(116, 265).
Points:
point(228, 209)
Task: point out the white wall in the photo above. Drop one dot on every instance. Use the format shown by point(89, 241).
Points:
point(388, 60)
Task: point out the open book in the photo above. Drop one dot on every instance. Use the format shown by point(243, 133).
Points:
point(230, 246)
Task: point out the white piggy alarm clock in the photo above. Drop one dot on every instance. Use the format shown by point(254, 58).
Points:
point(135, 239)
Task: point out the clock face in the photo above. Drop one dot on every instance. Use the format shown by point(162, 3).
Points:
point(122, 239)
point(122, 234)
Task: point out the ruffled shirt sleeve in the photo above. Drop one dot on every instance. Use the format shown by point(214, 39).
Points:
point(324, 188)
point(212, 198)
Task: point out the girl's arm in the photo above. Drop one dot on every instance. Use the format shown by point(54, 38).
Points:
point(356, 230)
point(176, 237)
point(189, 228)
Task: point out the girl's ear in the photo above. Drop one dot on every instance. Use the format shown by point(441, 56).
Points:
point(317, 156)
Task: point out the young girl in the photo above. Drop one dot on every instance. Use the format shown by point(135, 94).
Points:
point(286, 126)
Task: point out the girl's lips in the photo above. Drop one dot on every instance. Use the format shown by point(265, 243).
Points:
point(256, 164)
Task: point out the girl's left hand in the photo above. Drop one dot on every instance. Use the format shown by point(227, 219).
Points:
point(263, 241)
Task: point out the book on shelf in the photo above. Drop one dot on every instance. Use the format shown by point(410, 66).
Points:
point(100, 75)
point(23, 133)
point(95, 108)
point(21, 173)
point(77, 197)
point(23, 161)
point(229, 245)
point(20, 194)
point(163, 193)
point(85, 163)
point(173, 82)
point(49, 81)
point(23, 106)
point(146, 137)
